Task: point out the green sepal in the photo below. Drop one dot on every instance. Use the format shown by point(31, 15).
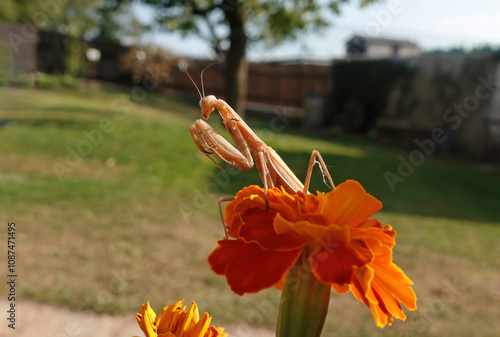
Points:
point(304, 302)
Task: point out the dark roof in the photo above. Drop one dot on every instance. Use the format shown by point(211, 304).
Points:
point(380, 41)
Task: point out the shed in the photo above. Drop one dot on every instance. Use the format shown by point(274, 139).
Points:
point(360, 46)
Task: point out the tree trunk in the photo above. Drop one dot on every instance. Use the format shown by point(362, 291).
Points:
point(236, 63)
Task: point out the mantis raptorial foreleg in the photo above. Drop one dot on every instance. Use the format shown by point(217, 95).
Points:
point(210, 142)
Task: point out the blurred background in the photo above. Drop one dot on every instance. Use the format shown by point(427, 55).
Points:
point(114, 205)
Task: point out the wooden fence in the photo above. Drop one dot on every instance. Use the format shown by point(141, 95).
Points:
point(286, 84)
point(273, 84)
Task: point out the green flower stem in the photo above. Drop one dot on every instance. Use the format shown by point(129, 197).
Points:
point(304, 302)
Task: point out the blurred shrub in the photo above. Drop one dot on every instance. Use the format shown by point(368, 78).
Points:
point(67, 81)
point(150, 66)
point(45, 81)
point(48, 81)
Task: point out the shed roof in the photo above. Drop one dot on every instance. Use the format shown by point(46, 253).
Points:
point(381, 41)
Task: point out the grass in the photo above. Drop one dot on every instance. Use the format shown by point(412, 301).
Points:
point(134, 218)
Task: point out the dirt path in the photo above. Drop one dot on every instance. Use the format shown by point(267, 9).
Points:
point(45, 320)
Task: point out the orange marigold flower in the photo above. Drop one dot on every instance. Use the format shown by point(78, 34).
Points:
point(346, 249)
point(174, 321)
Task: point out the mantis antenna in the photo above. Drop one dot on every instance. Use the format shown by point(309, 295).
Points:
point(202, 93)
point(195, 82)
point(201, 77)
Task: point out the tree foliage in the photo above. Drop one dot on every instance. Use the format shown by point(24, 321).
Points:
point(86, 19)
point(268, 21)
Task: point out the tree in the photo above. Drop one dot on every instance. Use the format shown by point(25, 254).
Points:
point(230, 25)
point(79, 21)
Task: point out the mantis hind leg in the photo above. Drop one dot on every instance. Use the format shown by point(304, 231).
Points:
point(315, 154)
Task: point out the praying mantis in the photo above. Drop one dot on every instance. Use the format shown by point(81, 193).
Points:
point(272, 169)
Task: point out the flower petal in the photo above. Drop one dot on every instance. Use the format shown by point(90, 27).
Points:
point(311, 232)
point(199, 327)
point(382, 286)
point(258, 228)
point(372, 229)
point(341, 288)
point(349, 204)
point(168, 319)
point(190, 319)
point(335, 264)
point(249, 268)
point(283, 203)
point(146, 320)
point(391, 279)
point(244, 199)
point(215, 332)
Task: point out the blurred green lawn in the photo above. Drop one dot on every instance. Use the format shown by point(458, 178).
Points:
point(135, 217)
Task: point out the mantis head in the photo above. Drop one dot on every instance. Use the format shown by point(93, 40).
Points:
point(207, 104)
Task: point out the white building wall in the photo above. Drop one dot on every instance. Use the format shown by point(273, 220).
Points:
point(379, 51)
point(387, 51)
point(405, 52)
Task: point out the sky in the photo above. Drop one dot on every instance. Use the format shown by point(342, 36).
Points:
point(429, 23)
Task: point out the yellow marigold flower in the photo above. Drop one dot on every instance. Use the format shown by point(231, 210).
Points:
point(174, 321)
